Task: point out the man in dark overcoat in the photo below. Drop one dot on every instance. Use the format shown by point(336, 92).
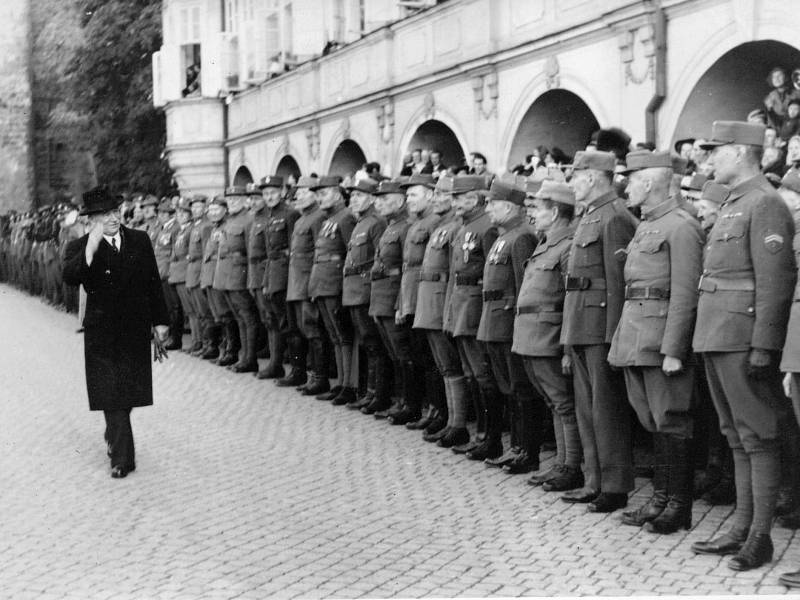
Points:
point(117, 267)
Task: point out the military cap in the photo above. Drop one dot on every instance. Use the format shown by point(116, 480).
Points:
point(679, 164)
point(270, 181)
point(236, 190)
point(306, 182)
point(99, 200)
point(556, 191)
point(645, 159)
point(253, 189)
point(327, 181)
point(366, 185)
point(532, 186)
point(508, 191)
point(184, 203)
point(199, 198)
point(468, 183)
point(693, 182)
point(445, 184)
point(219, 200)
point(714, 192)
point(43, 209)
point(791, 181)
point(149, 200)
point(680, 143)
point(166, 206)
point(594, 159)
point(389, 186)
point(735, 132)
point(425, 179)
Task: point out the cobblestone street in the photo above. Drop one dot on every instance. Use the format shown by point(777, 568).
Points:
point(244, 490)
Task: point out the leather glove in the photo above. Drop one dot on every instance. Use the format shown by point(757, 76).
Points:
point(566, 364)
point(758, 363)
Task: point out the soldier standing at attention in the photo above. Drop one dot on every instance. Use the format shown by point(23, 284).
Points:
point(462, 314)
point(745, 297)
point(150, 223)
point(303, 316)
point(431, 297)
point(178, 264)
point(386, 273)
point(163, 251)
point(419, 198)
point(257, 264)
point(280, 223)
point(215, 275)
point(199, 233)
point(595, 288)
point(325, 288)
point(652, 342)
point(537, 327)
point(232, 270)
point(356, 291)
point(502, 280)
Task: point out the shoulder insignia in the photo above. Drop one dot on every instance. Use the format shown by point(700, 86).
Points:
point(773, 243)
point(621, 254)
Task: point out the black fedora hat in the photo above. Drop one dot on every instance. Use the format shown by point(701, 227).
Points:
point(99, 200)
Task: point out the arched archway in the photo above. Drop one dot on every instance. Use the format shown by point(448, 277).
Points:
point(435, 135)
point(347, 159)
point(288, 167)
point(556, 119)
point(733, 86)
point(242, 177)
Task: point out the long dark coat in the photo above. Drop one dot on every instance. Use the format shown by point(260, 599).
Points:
point(124, 300)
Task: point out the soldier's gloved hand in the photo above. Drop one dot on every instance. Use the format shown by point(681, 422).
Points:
point(671, 365)
point(787, 385)
point(758, 363)
point(566, 364)
point(398, 318)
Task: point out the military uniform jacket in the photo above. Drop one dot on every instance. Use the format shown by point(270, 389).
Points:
point(301, 254)
point(413, 250)
point(180, 251)
point(435, 273)
point(257, 250)
point(210, 256)
point(280, 225)
point(231, 269)
point(748, 273)
point(330, 248)
point(595, 268)
point(470, 247)
point(360, 258)
point(163, 246)
point(388, 268)
point(152, 228)
point(790, 361)
point(199, 233)
point(502, 280)
point(540, 303)
point(663, 267)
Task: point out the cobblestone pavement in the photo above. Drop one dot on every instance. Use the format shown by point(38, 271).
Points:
point(245, 491)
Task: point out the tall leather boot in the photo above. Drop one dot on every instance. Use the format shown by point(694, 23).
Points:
point(658, 501)
point(411, 395)
point(232, 344)
point(277, 346)
point(297, 363)
point(480, 418)
point(243, 332)
point(197, 341)
point(248, 362)
point(378, 372)
point(509, 407)
point(318, 382)
point(678, 512)
point(457, 432)
point(492, 445)
point(213, 336)
point(529, 416)
point(434, 394)
point(396, 394)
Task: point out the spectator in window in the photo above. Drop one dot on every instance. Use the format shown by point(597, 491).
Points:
point(776, 100)
point(373, 171)
point(437, 166)
point(791, 124)
point(408, 165)
point(478, 165)
point(421, 162)
point(772, 162)
point(192, 81)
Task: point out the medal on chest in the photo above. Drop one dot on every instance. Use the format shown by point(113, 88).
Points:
point(496, 251)
point(470, 242)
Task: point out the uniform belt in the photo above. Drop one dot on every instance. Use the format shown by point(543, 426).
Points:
point(526, 310)
point(715, 284)
point(433, 276)
point(646, 293)
point(357, 270)
point(323, 258)
point(583, 283)
point(276, 254)
point(468, 279)
point(489, 295)
point(385, 273)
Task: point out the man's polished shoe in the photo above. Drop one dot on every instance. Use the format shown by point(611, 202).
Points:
point(468, 447)
point(435, 436)
point(435, 426)
point(119, 471)
point(268, 373)
point(357, 403)
point(540, 477)
point(295, 377)
point(485, 450)
point(647, 511)
point(226, 359)
point(317, 385)
point(524, 463)
point(345, 396)
point(425, 420)
point(211, 353)
point(791, 579)
point(454, 437)
point(329, 395)
point(580, 496)
point(245, 368)
point(569, 478)
point(757, 551)
point(607, 502)
point(404, 417)
point(727, 543)
point(374, 406)
point(504, 459)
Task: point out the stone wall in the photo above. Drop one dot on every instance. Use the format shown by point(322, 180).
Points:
point(16, 164)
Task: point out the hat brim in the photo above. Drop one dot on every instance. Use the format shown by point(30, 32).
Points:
point(405, 186)
point(710, 145)
point(116, 203)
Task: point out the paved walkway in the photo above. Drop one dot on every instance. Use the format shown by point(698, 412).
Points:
point(243, 490)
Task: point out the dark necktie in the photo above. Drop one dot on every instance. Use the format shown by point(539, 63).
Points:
point(114, 245)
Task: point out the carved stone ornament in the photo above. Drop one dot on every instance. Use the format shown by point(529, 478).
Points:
point(429, 104)
point(312, 137)
point(637, 48)
point(552, 71)
point(385, 118)
point(284, 147)
point(345, 128)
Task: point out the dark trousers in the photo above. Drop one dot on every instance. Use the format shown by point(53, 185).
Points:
point(445, 354)
point(119, 436)
point(603, 421)
point(174, 308)
point(474, 358)
point(336, 320)
point(244, 310)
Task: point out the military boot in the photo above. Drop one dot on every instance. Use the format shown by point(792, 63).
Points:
point(658, 501)
point(248, 362)
point(213, 338)
point(318, 383)
point(492, 445)
point(434, 435)
point(297, 364)
point(378, 372)
point(678, 512)
point(425, 419)
point(274, 368)
point(229, 355)
point(458, 433)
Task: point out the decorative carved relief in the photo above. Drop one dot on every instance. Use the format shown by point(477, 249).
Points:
point(283, 149)
point(312, 137)
point(483, 87)
point(552, 73)
point(345, 128)
point(385, 117)
point(429, 103)
point(637, 48)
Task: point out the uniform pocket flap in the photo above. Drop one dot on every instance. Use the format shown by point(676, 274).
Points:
point(651, 245)
point(588, 236)
point(743, 303)
point(594, 298)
